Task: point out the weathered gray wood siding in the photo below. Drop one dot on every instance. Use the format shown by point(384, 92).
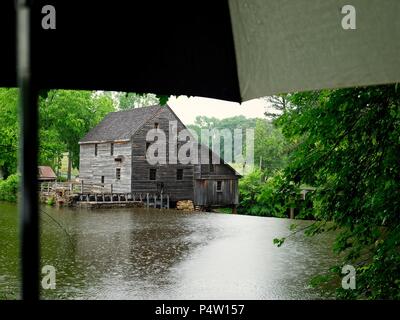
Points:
point(206, 193)
point(166, 174)
point(92, 168)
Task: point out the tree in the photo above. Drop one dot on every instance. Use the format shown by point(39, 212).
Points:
point(349, 150)
point(231, 123)
point(8, 131)
point(279, 103)
point(270, 146)
point(69, 115)
point(129, 100)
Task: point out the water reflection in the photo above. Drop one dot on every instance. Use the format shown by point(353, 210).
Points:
point(153, 254)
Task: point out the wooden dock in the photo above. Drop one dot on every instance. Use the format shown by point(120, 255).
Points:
point(102, 195)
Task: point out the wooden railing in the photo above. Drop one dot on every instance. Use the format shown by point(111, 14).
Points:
point(76, 187)
point(150, 200)
point(102, 193)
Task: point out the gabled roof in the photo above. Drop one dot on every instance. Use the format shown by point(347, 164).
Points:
point(46, 172)
point(120, 125)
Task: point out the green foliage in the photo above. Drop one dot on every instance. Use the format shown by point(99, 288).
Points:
point(8, 131)
point(130, 100)
point(51, 201)
point(65, 116)
point(279, 242)
point(347, 145)
point(62, 179)
point(9, 188)
point(69, 115)
point(262, 196)
point(270, 146)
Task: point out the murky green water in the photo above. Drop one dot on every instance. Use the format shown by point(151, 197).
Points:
point(140, 254)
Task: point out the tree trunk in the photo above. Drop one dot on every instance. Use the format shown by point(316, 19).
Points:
point(69, 165)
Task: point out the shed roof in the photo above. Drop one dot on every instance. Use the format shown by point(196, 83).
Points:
point(120, 125)
point(46, 172)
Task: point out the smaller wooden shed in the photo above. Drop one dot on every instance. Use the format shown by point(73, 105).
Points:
point(46, 174)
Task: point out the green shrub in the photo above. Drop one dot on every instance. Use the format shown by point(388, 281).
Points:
point(9, 188)
point(62, 179)
point(260, 196)
point(51, 201)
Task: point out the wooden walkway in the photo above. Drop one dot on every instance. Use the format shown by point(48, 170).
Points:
point(98, 194)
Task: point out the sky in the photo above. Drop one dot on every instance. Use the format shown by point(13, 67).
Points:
point(187, 108)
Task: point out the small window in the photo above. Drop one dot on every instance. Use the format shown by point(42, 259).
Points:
point(112, 149)
point(212, 168)
point(95, 149)
point(118, 173)
point(156, 125)
point(102, 179)
point(219, 186)
point(153, 174)
point(179, 174)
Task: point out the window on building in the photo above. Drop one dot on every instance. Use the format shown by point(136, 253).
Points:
point(156, 125)
point(219, 186)
point(95, 149)
point(112, 149)
point(179, 174)
point(118, 173)
point(102, 179)
point(153, 174)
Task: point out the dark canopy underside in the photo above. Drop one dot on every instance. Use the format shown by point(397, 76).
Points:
point(163, 47)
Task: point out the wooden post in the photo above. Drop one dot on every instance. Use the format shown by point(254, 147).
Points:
point(291, 213)
point(147, 200)
point(155, 201)
point(111, 187)
point(234, 209)
point(167, 201)
point(161, 200)
point(81, 186)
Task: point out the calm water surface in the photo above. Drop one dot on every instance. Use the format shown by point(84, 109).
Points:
point(153, 254)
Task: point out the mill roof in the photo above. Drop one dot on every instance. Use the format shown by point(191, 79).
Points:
point(120, 125)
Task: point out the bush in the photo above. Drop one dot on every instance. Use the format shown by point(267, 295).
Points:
point(51, 201)
point(9, 188)
point(62, 179)
point(260, 196)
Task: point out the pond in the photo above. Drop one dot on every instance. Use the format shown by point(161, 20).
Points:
point(154, 254)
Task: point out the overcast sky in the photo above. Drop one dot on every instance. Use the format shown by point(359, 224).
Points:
point(188, 108)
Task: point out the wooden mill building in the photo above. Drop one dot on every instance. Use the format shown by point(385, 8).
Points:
point(114, 152)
